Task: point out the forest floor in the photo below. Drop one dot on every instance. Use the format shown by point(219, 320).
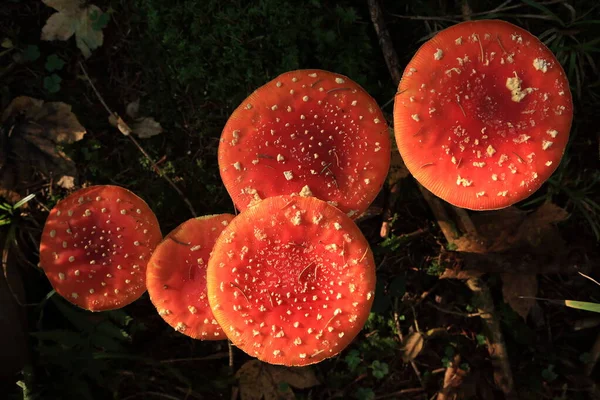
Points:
point(445, 324)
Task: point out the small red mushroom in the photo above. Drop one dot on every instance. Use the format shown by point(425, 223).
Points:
point(95, 247)
point(309, 132)
point(483, 114)
point(291, 280)
point(176, 277)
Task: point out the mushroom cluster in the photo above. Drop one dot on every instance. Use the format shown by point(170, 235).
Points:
point(483, 114)
point(482, 118)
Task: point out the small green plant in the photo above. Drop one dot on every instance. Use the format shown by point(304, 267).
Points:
point(364, 394)
point(8, 212)
point(379, 369)
point(31, 53)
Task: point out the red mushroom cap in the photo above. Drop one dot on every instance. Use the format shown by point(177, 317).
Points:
point(291, 280)
point(95, 247)
point(483, 114)
point(176, 277)
point(309, 132)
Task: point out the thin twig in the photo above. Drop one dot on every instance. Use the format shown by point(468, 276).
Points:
point(140, 148)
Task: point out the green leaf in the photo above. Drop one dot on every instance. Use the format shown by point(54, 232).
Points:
point(380, 369)
point(54, 63)
point(31, 53)
point(353, 360)
point(481, 340)
point(583, 305)
point(99, 20)
point(548, 374)
point(52, 83)
point(364, 394)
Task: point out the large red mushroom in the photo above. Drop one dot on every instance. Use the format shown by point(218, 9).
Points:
point(291, 280)
point(308, 132)
point(483, 114)
point(176, 276)
point(95, 247)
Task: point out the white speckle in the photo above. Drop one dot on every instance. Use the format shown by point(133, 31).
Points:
point(548, 163)
point(490, 150)
point(288, 175)
point(502, 194)
point(479, 164)
point(280, 158)
point(463, 181)
point(546, 144)
point(354, 102)
point(52, 233)
point(61, 276)
point(71, 259)
point(305, 98)
point(523, 138)
point(297, 218)
point(552, 132)
point(317, 219)
point(180, 327)
point(514, 85)
point(195, 248)
point(438, 54)
point(302, 355)
point(339, 80)
point(479, 194)
point(415, 117)
point(237, 166)
point(458, 41)
point(305, 192)
point(123, 212)
point(276, 352)
point(540, 64)
point(376, 120)
point(74, 295)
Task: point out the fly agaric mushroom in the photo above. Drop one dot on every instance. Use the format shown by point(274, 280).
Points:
point(291, 280)
point(483, 114)
point(176, 277)
point(95, 247)
point(309, 132)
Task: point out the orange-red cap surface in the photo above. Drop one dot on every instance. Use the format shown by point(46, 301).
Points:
point(483, 114)
point(309, 132)
point(176, 277)
point(291, 280)
point(95, 247)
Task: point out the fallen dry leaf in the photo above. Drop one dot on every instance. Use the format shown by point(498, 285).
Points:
point(142, 127)
point(146, 127)
point(516, 285)
point(258, 380)
point(74, 17)
point(503, 232)
point(32, 131)
point(412, 346)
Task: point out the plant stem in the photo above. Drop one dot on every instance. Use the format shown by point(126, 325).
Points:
point(140, 148)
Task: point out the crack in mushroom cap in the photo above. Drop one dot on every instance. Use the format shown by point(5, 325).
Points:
point(486, 124)
point(306, 128)
point(291, 280)
point(176, 277)
point(95, 246)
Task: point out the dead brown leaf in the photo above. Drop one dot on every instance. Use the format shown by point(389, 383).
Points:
point(142, 127)
point(412, 346)
point(503, 232)
point(31, 133)
point(74, 17)
point(516, 285)
point(258, 380)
